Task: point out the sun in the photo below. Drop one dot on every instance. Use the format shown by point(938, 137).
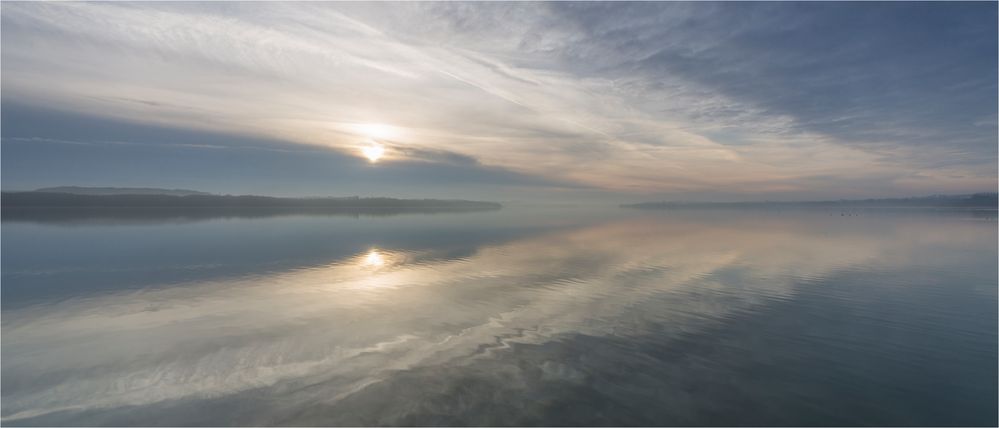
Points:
point(376, 134)
point(373, 151)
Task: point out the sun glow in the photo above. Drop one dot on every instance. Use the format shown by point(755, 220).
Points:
point(373, 151)
point(373, 259)
point(377, 130)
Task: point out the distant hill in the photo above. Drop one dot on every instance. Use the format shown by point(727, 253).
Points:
point(977, 200)
point(56, 200)
point(75, 190)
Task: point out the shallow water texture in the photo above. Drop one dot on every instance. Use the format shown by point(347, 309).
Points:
point(523, 316)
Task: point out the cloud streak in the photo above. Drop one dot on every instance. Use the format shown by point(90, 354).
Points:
point(655, 99)
point(149, 350)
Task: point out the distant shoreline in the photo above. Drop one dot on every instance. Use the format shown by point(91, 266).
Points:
point(70, 200)
point(50, 207)
point(982, 201)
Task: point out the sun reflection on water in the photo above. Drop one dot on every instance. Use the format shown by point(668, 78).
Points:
point(373, 259)
point(360, 317)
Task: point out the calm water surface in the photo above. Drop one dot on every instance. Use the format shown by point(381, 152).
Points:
point(524, 316)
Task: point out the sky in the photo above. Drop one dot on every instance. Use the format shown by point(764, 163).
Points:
point(504, 101)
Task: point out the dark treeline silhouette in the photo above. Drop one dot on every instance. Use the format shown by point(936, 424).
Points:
point(157, 215)
point(976, 201)
point(49, 207)
point(77, 190)
point(51, 199)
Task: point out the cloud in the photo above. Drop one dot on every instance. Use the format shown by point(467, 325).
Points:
point(648, 97)
point(43, 148)
point(340, 326)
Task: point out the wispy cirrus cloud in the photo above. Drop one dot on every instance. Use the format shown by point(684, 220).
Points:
point(659, 99)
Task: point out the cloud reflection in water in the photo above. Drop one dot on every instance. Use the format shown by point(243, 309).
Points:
point(302, 340)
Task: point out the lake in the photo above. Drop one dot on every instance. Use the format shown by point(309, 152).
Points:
point(521, 316)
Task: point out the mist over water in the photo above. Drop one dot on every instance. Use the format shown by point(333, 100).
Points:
point(523, 316)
